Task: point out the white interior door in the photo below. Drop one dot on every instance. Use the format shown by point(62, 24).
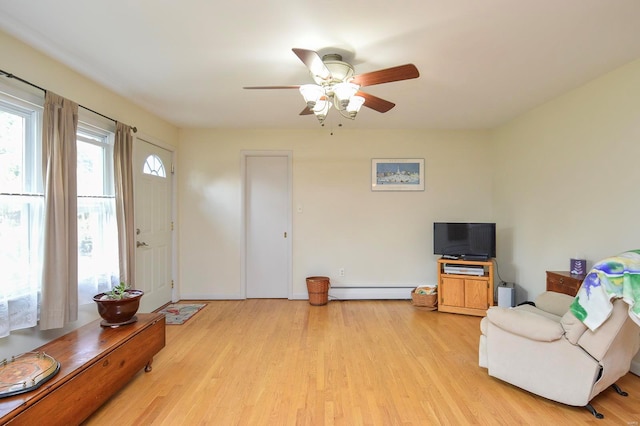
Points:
point(153, 201)
point(267, 217)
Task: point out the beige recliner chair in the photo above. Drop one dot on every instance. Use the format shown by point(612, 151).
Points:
point(546, 350)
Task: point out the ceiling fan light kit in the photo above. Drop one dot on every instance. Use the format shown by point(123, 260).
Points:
point(342, 95)
point(336, 86)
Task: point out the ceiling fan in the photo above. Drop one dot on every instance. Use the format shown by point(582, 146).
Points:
point(336, 85)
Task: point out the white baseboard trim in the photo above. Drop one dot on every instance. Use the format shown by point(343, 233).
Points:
point(370, 293)
point(335, 293)
point(191, 296)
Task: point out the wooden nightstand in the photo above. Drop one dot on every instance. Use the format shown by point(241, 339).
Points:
point(564, 282)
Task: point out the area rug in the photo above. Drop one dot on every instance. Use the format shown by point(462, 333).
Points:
point(179, 313)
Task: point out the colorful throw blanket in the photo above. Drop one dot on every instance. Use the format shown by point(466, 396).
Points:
point(611, 278)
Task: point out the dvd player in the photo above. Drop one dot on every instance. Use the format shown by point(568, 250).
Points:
point(463, 269)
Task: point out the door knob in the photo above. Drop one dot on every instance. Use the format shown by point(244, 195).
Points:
point(141, 244)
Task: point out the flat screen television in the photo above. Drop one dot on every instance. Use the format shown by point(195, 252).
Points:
point(464, 240)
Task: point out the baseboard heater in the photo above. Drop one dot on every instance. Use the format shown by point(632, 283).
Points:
point(370, 293)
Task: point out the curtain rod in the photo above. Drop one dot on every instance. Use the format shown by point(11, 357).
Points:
point(15, 77)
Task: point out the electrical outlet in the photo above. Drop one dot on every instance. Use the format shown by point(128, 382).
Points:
point(341, 272)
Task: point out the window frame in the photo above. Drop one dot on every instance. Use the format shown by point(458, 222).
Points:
point(21, 292)
point(32, 114)
point(101, 133)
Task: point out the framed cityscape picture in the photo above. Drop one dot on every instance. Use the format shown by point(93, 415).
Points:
point(397, 174)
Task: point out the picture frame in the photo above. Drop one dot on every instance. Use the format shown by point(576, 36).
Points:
point(397, 174)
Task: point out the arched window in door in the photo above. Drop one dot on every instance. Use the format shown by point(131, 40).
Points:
point(153, 166)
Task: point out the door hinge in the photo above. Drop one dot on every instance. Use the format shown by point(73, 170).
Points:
point(173, 168)
point(171, 283)
point(172, 225)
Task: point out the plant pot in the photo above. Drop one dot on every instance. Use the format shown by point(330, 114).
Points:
point(117, 312)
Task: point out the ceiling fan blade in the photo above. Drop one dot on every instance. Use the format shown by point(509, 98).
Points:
point(313, 61)
point(401, 72)
point(375, 102)
point(272, 87)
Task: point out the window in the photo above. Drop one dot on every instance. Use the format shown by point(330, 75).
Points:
point(97, 227)
point(21, 213)
point(153, 166)
point(22, 208)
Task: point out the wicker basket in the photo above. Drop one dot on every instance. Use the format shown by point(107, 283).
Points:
point(318, 288)
point(427, 302)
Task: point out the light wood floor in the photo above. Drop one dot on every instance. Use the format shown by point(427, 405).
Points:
point(281, 362)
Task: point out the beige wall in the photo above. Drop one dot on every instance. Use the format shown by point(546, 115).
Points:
point(380, 238)
point(566, 180)
point(560, 181)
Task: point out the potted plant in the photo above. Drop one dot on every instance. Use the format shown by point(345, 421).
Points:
point(118, 306)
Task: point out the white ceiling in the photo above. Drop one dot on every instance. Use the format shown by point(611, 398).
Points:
point(482, 62)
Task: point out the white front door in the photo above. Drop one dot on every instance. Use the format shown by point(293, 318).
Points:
point(153, 201)
point(267, 229)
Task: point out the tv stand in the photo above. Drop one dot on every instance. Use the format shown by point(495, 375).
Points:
point(465, 294)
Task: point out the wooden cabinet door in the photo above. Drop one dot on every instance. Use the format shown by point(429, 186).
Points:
point(475, 294)
point(452, 291)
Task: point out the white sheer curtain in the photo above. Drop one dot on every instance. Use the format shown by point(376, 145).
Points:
point(60, 261)
point(21, 266)
point(97, 229)
point(98, 247)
